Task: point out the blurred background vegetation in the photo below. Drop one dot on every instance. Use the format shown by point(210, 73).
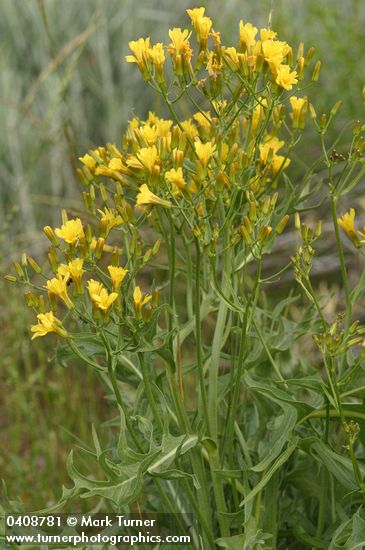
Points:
point(65, 88)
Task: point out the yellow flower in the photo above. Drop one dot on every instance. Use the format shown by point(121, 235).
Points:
point(148, 157)
point(139, 301)
point(176, 180)
point(247, 34)
point(116, 164)
point(71, 232)
point(270, 147)
point(285, 78)
point(74, 270)
point(148, 134)
point(58, 287)
point(109, 219)
point(204, 151)
point(267, 34)
point(203, 26)
point(204, 119)
point(179, 40)
point(258, 114)
point(189, 128)
point(140, 49)
point(163, 127)
point(104, 300)
point(145, 196)
point(47, 322)
point(297, 104)
point(274, 52)
point(157, 55)
point(279, 163)
point(347, 222)
point(231, 57)
point(195, 14)
point(299, 110)
point(94, 288)
point(89, 162)
point(117, 275)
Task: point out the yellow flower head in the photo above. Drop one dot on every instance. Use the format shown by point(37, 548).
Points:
point(269, 148)
point(117, 275)
point(145, 196)
point(148, 157)
point(285, 79)
point(203, 26)
point(163, 127)
point(204, 151)
point(297, 104)
point(279, 163)
point(58, 287)
point(179, 40)
point(148, 134)
point(89, 162)
point(176, 180)
point(347, 222)
point(189, 128)
point(204, 119)
point(247, 34)
point(267, 34)
point(195, 14)
point(299, 107)
point(94, 288)
point(232, 57)
point(116, 164)
point(274, 52)
point(157, 55)
point(47, 322)
point(71, 232)
point(140, 49)
point(140, 300)
point(110, 219)
point(104, 300)
point(74, 270)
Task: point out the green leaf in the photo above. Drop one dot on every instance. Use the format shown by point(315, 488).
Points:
point(270, 472)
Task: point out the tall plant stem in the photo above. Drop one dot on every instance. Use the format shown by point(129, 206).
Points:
point(344, 275)
point(196, 458)
point(149, 392)
point(324, 481)
point(198, 337)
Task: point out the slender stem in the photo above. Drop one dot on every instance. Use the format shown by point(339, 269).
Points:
point(344, 275)
point(149, 392)
point(198, 336)
point(324, 482)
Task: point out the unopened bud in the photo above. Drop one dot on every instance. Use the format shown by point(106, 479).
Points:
point(50, 234)
point(335, 108)
point(10, 278)
point(64, 216)
point(309, 56)
point(99, 248)
point(33, 264)
point(282, 224)
point(316, 72)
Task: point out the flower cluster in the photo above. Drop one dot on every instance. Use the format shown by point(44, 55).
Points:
point(221, 166)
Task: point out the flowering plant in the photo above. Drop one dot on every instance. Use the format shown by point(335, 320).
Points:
point(162, 288)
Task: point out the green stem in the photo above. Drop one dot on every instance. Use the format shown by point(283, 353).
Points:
point(324, 482)
point(198, 337)
point(343, 271)
point(149, 392)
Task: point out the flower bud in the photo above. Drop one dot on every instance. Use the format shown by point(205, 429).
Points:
point(316, 72)
point(50, 234)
